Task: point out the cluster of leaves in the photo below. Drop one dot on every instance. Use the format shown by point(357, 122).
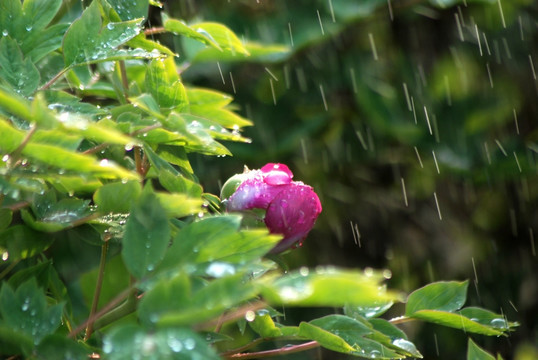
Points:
point(104, 227)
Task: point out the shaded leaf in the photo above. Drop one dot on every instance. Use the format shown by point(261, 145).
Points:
point(147, 235)
point(474, 352)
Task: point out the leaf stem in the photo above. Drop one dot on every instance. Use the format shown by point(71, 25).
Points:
point(155, 30)
point(288, 349)
point(401, 320)
point(104, 312)
point(54, 78)
point(9, 268)
point(98, 286)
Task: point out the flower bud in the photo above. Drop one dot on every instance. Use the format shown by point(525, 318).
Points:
point(291, 206)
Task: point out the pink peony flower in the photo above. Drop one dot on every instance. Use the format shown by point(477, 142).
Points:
point(291, 206)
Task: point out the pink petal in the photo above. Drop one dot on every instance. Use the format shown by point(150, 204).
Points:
point(276, 174)
point(292, 212)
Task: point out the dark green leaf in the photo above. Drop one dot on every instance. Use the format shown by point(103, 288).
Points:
point(147, 235)
point(20, 73)
point(325, 338)
point(61, 348)
point(27, 312)
point(368, 311)
point(5, 218)
point(22, 242)
point(443, 296)
point(38, 14)
point(44, 42)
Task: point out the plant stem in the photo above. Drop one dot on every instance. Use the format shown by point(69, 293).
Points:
point(98, 286)
point(107, 309)
point(9, 268)
point(155, 30)
point(401, 320)
point(124, 81)
point(291, 349)
point(53, 80)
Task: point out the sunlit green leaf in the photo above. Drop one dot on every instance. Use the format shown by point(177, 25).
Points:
point(265, 53)
point(327, 287)
point(443, 296)
point(457, 321)
point(117, 197)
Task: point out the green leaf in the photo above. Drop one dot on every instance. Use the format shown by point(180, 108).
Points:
point(488, 318)
point(201, 96)
point(218, 238)
point(263, 53)
point(327, 287)
point(13, 341)
point(180, 28)
point(20, 73)
point(22, 242)
point(325, 338)
point(455, 320)
point(474, 352)
point(37, 14)
point(175, 155)
point(6, 215)
point(42, 43)
point(11, 17)
point(117, 197)
point(224, 117)
point(264, 326)
point(368, 311)
point(345, 327)
point(67, 160)
point(222, 35)
point(164, 84)
point(206, 301)
point(397, 339)
point(129, 10)
point(140, 41)
point(132, 341)
point(61, 348)
point(147, 235)
point(87, 40)
point(27, 312)
point(58, 215)
point(179, 205)
point(443, 296)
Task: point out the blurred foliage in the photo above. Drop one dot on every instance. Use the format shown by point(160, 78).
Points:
point(414, 121)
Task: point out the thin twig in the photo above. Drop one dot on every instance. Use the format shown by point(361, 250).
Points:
point(101, 312)
point(98, 286)
point(400, 320)
point(155, 30)
point(53, 80)
point(17, 206)
point(290, 349)
point(9, 268)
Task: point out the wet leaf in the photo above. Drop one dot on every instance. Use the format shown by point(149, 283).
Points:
point(27, 312)
point(442, 296)
point(131, 341)
point(117, 197)
point(20, 73)
point(457, 321)
point(147, 235)
point(327, 287)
